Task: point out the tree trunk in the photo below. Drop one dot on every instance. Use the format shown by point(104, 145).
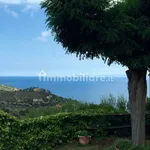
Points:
point(137, 88)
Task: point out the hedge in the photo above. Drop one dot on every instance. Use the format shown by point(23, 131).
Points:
point(7, 130)
point(47, 132)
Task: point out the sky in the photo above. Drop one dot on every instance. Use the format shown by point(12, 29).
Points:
point(27, 46)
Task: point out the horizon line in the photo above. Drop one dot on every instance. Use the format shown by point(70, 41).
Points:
point(64, 76)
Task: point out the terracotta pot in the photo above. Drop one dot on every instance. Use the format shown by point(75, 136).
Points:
point(84, 140)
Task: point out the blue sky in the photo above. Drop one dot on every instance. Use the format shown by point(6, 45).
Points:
point(26, 47)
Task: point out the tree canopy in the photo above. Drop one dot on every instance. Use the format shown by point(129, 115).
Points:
point(116, 32)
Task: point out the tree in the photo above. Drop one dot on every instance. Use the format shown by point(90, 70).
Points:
point(117, 33)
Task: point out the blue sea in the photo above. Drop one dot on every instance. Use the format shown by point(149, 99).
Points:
point(87, 91)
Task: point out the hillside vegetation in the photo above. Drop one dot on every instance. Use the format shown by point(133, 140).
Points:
point(8, 88)
point(35, 102)
point(48, 121)
point(17, 102)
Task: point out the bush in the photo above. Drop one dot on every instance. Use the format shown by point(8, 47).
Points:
point(117, 103)
point(108, 104)
point(47, 132)
point(121, 144)
point(82, 133)
point(148, 104)
point(121, 103)
point(108, 101)
point(124, 144)
point(8, 131)
point(51, 131)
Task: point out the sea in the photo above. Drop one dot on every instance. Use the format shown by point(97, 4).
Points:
point(89, 90)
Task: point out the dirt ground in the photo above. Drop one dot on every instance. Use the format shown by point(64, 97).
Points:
point(94, 145)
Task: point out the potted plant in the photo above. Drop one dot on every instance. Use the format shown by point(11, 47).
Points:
point(84, 137)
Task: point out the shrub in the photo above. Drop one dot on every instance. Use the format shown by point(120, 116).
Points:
point(82, 133)
point(148, 104)
point(41, 111)
point(51, 131)
point(110, 101)
point(8, 132)
point(125, 144)
point(121, 144)
point(108, 105)
point(115, 103)
point(121, 103)
point(47, 132)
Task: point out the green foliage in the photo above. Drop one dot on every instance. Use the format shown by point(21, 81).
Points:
point(108, 105)
point(117, 103)
point(19, 102)
point(83, 133)
point(54, 130)
point(148, 104)
point(109, 101)
point(41, 111)
point(121, 144)
point(125, 144)
point(121, 103)
point(69, 106)
point(8, 131)
point(8, 88)
point(51, 131)
point(47, 132)
point(62, 126)
point(117, 32)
